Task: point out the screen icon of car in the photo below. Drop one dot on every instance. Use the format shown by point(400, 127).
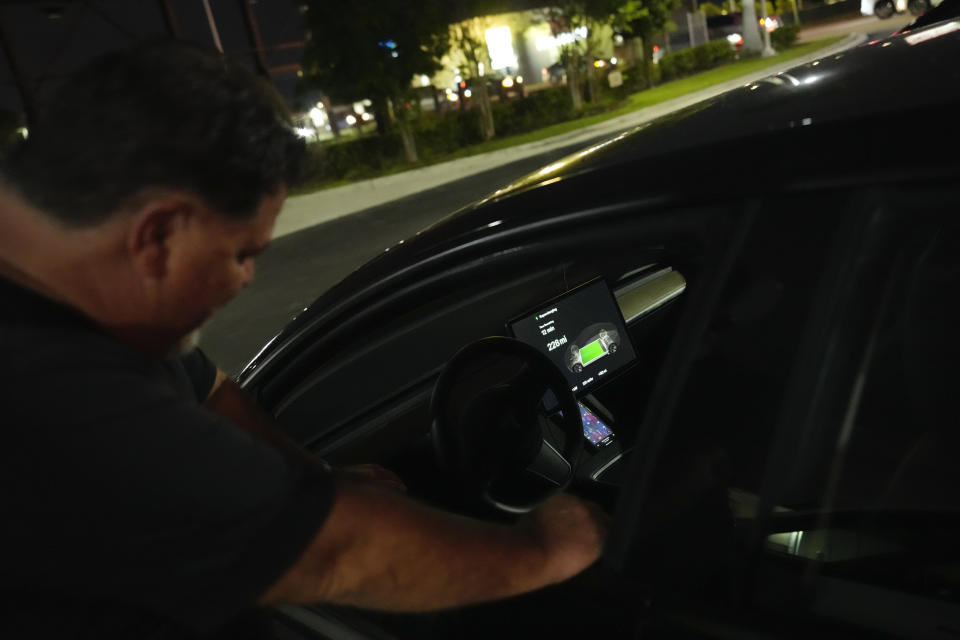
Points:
point(597, 341)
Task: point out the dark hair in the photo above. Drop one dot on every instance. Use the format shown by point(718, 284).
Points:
point(164, 115)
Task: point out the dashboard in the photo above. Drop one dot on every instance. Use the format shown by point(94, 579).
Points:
point(584, 333)
point(382, 417)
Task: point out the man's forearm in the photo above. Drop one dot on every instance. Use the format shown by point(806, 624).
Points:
point(380, 550)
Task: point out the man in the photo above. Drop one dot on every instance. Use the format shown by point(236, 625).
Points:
point(142, 494)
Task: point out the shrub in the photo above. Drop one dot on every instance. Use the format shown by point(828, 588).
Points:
point(351, 159)
point(684, 61)
point(699, 58)
point(668, 70)
point(720, 52)
point(539, 109)
point(709, 55)
point(635, 79)
point(785, 36)
point(702, 58)
point(439, 133)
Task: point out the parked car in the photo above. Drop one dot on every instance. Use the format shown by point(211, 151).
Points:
point(729, 26)
point(884, 9)
point(932, 12)
point(786, 435)
point(726, 26)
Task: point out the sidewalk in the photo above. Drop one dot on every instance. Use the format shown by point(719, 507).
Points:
point(301, 212)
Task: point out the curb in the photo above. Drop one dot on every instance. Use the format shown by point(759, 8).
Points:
point(302, 212)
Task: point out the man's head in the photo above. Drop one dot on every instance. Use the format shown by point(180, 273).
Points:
point(176, 161)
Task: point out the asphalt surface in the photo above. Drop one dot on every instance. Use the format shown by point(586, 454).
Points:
point(300, 266)
point(870, 25)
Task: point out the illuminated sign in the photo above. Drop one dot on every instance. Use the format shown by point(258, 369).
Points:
point(500, 47)
point(545, 43)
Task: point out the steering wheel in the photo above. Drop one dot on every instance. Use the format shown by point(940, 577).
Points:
point(490, 430)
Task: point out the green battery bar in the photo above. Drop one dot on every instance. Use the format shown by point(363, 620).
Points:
point(591, 352)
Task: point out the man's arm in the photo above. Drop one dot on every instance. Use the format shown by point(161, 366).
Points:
point(380, 550)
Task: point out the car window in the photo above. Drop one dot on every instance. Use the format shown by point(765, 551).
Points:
point(889, 493)
point(709, 470)
point(810, 465)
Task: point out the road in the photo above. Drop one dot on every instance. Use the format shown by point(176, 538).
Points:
point(300, 266)
point(870, 25)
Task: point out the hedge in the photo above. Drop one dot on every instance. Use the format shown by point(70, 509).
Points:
point(785, 36)
point(700, 58)
point(438, 134)
point(539, 109)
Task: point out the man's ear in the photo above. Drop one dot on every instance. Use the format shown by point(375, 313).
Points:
point(155, 228)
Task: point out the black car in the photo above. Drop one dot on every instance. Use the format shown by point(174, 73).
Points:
point(784, 400)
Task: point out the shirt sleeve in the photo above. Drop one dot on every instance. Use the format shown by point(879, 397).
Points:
point(125, 492)
point(201, 371)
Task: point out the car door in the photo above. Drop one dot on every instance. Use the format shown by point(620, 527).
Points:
point(795, 476)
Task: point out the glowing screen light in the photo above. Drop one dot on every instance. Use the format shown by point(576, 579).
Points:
point(545, 43)
point(500, 47)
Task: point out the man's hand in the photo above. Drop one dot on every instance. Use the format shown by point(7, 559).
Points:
point(571, 532)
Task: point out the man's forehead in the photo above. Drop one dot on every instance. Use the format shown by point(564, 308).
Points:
point(258, 227)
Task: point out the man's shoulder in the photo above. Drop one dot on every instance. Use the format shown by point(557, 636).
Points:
point(37, 335)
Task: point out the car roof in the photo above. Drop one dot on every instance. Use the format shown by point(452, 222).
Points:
point(878, 110)
point(885, 79)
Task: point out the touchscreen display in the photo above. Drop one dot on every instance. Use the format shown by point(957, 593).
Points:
point(582, 332)
point(594, 430)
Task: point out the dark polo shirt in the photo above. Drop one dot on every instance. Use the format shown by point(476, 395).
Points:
point(127, 510)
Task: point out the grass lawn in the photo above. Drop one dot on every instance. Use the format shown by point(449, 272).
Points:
point(658, 94)
point(639, 100)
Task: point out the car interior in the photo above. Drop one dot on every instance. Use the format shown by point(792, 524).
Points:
point(754, 390)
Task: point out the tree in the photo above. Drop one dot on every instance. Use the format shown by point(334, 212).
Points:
point(372, 49)
point(710, 9)
point(584, 19)
point(473, 60)
point(751, 29)
point(644, 19)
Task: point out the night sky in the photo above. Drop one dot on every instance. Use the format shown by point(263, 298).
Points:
point(47, 48)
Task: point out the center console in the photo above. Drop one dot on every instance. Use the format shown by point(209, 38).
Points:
point(583, 332)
